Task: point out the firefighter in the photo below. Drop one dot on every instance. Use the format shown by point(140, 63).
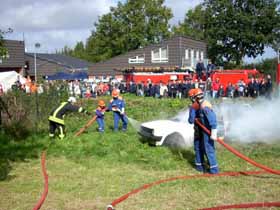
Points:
point(203, 143)
point(100, 111)
point(117, 105)
point(56, 120)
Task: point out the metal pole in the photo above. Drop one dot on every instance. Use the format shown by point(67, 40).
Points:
point(35, 66)
point(37, 45)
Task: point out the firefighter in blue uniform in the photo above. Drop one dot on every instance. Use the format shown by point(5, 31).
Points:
point(117, 105)
point(203, 143)
point(56, 120)
point(99, 112)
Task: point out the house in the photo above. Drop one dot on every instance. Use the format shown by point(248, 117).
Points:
point(14, 59)
point(178, 51)
point(50, 64)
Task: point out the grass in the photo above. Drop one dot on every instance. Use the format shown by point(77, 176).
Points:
point(89, 172)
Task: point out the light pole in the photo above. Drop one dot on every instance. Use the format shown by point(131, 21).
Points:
point(37, 46)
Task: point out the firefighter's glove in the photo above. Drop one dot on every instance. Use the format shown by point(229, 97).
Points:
point(214, 134)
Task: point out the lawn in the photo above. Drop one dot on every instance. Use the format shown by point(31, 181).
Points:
point(90, 171)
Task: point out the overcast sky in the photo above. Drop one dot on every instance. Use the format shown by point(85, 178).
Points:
point(56, 23)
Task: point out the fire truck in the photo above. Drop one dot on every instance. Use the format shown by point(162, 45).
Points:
point(166, 75)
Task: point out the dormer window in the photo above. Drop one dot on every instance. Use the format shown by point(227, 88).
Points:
point(137, 59)
point(160, 55)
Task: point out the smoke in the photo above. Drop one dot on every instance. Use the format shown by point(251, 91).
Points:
point(256, 121)
point(245, 120)
point(242, 120)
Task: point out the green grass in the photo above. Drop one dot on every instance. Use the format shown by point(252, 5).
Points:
point(89, 172)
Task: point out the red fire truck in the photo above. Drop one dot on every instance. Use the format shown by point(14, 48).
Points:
point(225, 76)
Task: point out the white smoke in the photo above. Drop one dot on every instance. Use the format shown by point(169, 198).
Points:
point(245, 120)
point(252, 121)
point(242, 120)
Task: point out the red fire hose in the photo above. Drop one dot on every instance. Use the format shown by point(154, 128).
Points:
point(46, 184)
point(246, 205)
point(124, 197)
point(270, 170)
point(252, 205)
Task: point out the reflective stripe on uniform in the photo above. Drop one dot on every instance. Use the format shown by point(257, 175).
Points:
point(59, 108)
point(214, 166)
point(57, 120)
point(80, 109)
point(198, 164)
point(51, 135)
point(61, 132)
point(53, 116)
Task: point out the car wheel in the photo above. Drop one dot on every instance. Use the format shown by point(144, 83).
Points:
point(174, 140)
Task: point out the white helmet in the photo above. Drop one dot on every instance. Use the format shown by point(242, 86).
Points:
point(72, 99)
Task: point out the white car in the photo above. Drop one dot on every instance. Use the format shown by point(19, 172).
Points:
point(176, 132)
point(168, 132)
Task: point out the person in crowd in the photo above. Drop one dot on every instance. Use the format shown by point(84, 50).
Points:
point(268, 87)
point(210, 68)
point(256, 88)
point(204, 145)
point(251, 87)
point(241, 88)
point(221, 91)
point(208, 87)
point(140, 89)
point(173, 89)
point(215, 87)
point(262, 87)
point(99, 112)
point(56, 120)
point(200, 68)
point(162, 90)
point(117, 105)
point(179, 89)
point(157, 90)
point(230, 90)
point(201, 85)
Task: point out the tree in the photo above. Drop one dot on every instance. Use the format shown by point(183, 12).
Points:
point(235, 28)
point(193, 25)
point(79, 50)
point(3, 50)
point(130, 25)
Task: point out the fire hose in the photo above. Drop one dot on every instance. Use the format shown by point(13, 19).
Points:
point(245, 205)
point(251, 205)
point(270, 170)
point(46, 184)
point(89, 123)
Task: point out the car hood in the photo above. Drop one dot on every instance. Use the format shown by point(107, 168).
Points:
point(165, 127)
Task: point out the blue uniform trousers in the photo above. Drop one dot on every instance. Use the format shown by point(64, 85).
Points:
point(101, 124)
point(205, 147)
point(117, 116)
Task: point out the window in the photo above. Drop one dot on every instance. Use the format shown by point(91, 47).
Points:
point(187, 54)
point(202, 55)
point(137, 59)
point(160, 55)
point(192, 58)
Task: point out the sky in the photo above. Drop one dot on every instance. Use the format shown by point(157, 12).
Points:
point(57, 23)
